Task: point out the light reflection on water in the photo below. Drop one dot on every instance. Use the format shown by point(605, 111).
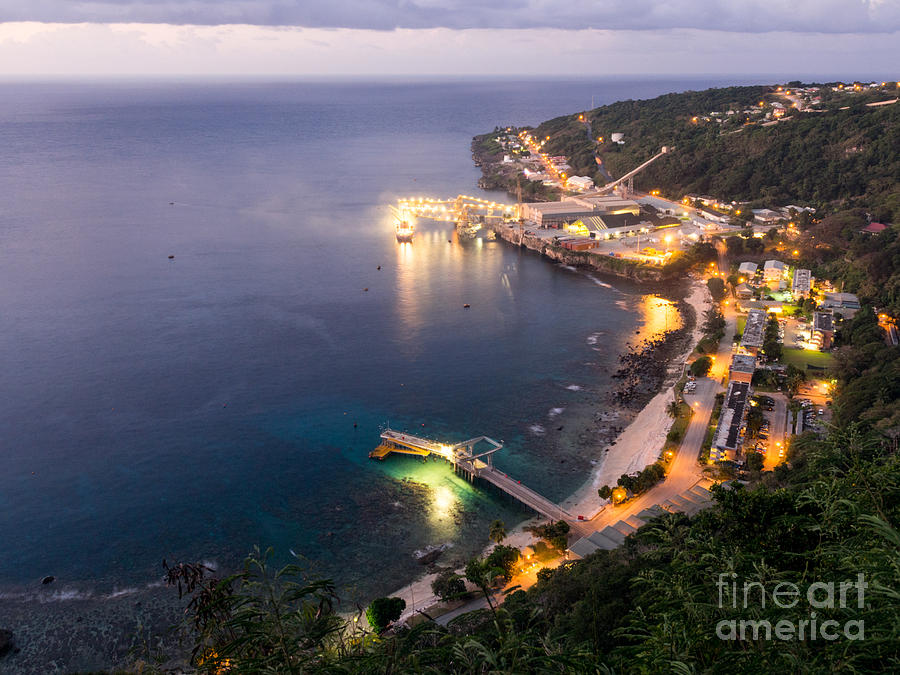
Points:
point(658, 314)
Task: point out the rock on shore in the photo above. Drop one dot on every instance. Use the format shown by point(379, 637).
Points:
point(6, 641)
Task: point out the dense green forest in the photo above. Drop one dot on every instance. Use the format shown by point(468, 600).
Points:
point(833, 159)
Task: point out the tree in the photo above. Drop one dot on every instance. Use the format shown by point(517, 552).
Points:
point(733, 281)
point(448, 585)
point(555, 534)
point(701, 367)
point(793, 378)
point(771, 347)
point(255, 620)
point(734, 246)
point(481, 574)
point(504, 558)
point(605, 492)
point(716, 288)
point(713, 321)
point(755, 461)
point(754, 245)
point(384, 611)
point(672, 409)
point(755, 419)
point(497, 532)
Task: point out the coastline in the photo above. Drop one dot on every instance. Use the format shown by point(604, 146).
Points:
point(637, 445)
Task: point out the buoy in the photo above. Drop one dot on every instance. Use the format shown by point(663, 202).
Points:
point(171, 257)
point(379, 267)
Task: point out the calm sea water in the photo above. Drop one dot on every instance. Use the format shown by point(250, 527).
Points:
point(193, 408)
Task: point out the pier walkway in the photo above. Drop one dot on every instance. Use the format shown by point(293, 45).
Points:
point(525, 494)
point(475, 463)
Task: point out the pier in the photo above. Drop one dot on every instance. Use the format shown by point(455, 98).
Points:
point(474, 459)
point(469, 213)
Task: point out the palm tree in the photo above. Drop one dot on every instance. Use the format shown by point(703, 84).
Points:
point(497, 532)
point(673, 409)
point(733, 280)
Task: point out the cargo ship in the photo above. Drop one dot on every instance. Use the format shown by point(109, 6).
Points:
point(403, 225)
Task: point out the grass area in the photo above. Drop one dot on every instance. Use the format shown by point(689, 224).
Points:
point(678, 429)
point(804, 358)
point(703, 457)
point(741, 322)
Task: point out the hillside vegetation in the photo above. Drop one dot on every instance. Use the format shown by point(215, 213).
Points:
point(832, 159)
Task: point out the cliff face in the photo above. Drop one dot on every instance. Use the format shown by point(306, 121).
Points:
point(600, 263)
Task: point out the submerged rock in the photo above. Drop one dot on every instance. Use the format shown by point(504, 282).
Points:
point(6, 641)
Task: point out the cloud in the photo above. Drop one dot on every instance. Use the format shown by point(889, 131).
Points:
point(740, 16)
point(35, 49)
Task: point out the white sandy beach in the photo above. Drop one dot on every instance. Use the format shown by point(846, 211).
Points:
point(636, 447)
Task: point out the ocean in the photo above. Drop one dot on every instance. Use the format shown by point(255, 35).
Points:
point(191, 408)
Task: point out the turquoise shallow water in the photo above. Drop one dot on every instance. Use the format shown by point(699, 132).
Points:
point(193, 408)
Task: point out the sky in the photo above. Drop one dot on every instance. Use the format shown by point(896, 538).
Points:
point(321, 38)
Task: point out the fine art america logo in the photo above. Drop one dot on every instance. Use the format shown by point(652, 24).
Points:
point(802, 620)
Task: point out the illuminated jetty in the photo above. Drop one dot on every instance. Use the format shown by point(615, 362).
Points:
point(474, 459)
point(468, 212)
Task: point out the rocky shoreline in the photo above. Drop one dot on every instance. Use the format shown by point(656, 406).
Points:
point(620, 267)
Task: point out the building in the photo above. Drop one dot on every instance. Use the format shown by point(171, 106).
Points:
point(579, 183)
point(742, 368)
point(797, 209)
point(768, 306)
point(744, 292)
point(729, 434)
point(748, 269)
point(576, 243)
point(773, 271)
point(802, 283)
point(822, 334)
point(874, 228)
point(847, 304)
point(611, 226)
point(715, 216)
point(553, 214)
point(766, 216)
point(754, 331)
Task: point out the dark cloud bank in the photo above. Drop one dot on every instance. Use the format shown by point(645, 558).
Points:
point(805, 16)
